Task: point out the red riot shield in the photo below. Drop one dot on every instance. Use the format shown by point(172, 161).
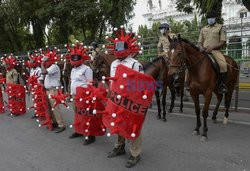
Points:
point(41, 106)
point(2, 81)
point(89, 108)
point(16, 99)
point(1, 102)
point(131, 95)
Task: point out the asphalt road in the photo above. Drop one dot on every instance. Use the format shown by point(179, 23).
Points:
point(166, 146)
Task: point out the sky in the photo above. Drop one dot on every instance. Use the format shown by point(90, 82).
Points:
point(139, 9)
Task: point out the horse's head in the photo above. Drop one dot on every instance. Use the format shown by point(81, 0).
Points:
point(97, 63)
point(177, 57)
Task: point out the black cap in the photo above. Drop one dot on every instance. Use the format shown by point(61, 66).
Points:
point(164, 25)
point(212, 14)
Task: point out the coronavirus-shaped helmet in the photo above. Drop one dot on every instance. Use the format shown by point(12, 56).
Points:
point(10, 62)
point(34, 60)
point(125, 43)
point(50, 57)
point(77, 54)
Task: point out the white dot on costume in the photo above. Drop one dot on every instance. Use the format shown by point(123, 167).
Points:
point(103, 77)
point(85, 47)
point(87, 109)
point(94, 98)
point(28, 108)
point(139, 36)
point(112, 124)
point(86, 138)
point(80, 99)
point(71, 126)
point(94, 112)
point(113, 115)
point(67, 107)
point(115, 29)
point(65, 45)
point(73, 44)
point(139, 44)
point(106, 37)
point(57, 88)
point(116, 38)
point(133, 135)
point(37, 120)
point(87, 123)
point(121, 86)
point(81, 43)
point(119, 96)
point(52, 109)
point(144, 97)
point(71, 100)
point(87, 102)
point(86, 130)
point(103, 46)
point(121, 26)
point(87, 92)
point(141, 48)
point(124, 75)
point(103, 130)
point(108, 134)
point(62, 101)
point(140, 52)
point(39, 125)
point(106, 52)
point(103, 82)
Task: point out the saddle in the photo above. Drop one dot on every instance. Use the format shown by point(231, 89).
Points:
point(214, 63)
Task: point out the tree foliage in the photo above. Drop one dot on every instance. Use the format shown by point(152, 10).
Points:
point(30, 24)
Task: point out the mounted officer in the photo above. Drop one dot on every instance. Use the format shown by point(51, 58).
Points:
point(211, 40)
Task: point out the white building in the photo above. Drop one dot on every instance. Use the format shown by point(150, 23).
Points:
point(232, 11)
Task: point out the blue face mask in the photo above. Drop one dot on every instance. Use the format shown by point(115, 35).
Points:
point(119, 46)
point(211, 21)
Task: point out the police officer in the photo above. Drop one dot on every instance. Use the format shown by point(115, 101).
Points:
point(135, 146)
point(12, 74)
point(35, 69)
point(163, 44)
point(51, 83)
point(212, 38)
point(81, 75)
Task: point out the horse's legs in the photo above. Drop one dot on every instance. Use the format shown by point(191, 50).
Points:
point(172, 91)
point(219, 99)
point(195, 98)
point(208, 97)
point(228, 98)
point(158, 101)
point(164, 93)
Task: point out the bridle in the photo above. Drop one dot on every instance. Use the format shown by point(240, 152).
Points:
point(182, 67)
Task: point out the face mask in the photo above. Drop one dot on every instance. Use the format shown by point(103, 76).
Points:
point(120, 46)
point(211, 21)
point(162, 31)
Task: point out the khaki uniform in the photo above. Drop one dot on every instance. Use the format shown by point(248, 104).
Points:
point(12, 76)
point(211, 36)
point(163, 44)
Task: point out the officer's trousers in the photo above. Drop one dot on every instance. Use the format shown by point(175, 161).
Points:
point(220, 58)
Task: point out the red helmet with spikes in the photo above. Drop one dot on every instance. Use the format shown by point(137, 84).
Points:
point(35, 60)
point(78, 54)
point(10, 62)
point(50, 57)
point(124, 44)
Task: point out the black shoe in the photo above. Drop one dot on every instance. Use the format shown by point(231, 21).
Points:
point(60, 129)
point(33, 117)
point(54, 125)
point(222, 89)
point(90, 140)
point(75, 135)
point(117, 152)
point(132, 161)
point(222, 86)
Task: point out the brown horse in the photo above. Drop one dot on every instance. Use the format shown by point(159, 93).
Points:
point(203, 79)
point(158, 69)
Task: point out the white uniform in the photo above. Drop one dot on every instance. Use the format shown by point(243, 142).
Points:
point(37, 72)
point(52, 79)
point(128, 62)
point(80, 76)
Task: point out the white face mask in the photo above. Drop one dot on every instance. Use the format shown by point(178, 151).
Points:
point(162, 31)
point(211, 21)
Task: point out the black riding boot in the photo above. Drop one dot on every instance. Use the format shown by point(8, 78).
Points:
point(222, 86)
